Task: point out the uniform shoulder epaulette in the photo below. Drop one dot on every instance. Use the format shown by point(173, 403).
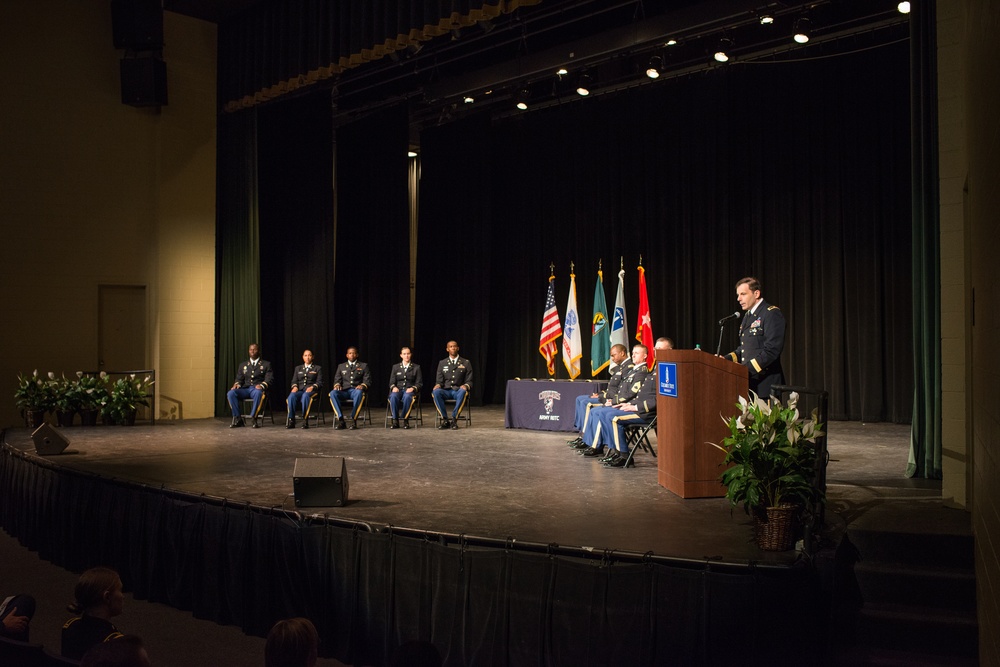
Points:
point(773, 308)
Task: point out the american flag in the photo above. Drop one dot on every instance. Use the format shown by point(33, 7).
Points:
point(551, 329)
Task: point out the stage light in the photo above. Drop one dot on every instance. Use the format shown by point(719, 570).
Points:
point(584, 85)
point(723, 49)
point(521, 99)
point(655, 65)
point(411, 153)
point(801, 30)
point(562, 71)
point(671, 42)
point(468, 99)
point(903, 7)
point(766, 18)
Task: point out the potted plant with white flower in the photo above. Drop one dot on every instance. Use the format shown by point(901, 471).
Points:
point(771, 453)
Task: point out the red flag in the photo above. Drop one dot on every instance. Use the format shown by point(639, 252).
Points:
point(644, 327)
point(551, 329)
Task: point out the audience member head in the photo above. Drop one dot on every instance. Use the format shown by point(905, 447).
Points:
point(127, 651)
point(98, 593)
point(292, 642)
point(416, 653)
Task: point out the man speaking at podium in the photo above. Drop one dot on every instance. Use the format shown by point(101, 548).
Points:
point(762, 338)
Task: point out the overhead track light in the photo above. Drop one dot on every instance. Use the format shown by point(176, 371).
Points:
point(766, 18)
point(584, 85)
point(468, 99)
point(801, 30)
point(723, 49)
point(655, 66)
point(521, 99)
point(903, 7)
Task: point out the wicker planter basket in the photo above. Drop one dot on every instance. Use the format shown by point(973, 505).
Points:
point(776, 528)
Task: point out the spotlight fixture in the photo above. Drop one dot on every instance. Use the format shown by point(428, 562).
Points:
point(468, 99)
point(584, 85)
point(671, 42)
point(903, 7)
point(562, 71)
point(655, 65)
point(723, 49)
point(411, 153)
point(801, 30)
point(766, 18)
point(521, 99)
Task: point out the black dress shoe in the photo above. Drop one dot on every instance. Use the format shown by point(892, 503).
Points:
point(581, 445)
point(339, 424)
point(255, 424)
point(612, 456)
point(443, 424)
point(305, 424)
point(290, 423)
point(406, 423)
point(395, 423)
point(593, 451)
point(620, 462)
point(353, 425)
point(237, 422)
point(574, 442)
point(453, 425)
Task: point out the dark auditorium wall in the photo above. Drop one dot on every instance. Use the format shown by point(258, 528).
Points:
point(94, 192)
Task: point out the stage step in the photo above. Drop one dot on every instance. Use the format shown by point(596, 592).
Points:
point(909, 594)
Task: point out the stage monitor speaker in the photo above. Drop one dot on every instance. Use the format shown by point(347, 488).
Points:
point(320, 482)
point(48, 440)
point(144, 82)
point(137, 24)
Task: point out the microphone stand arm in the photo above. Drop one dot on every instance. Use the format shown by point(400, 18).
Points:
point(718, 348)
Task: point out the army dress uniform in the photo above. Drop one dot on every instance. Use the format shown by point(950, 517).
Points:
point(303, 377)
point(248, 376)
point(351, 381)
point(400, 402)
point(611, 421)
point(584, 403)
point(629, 388)
point(762, 338)
point(455, 379)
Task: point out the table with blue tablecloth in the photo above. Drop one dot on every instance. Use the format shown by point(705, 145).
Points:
point(545, 405)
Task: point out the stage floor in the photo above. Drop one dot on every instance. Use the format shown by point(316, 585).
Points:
point(484, 481)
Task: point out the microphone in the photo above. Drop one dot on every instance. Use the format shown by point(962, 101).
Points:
point(733, 316)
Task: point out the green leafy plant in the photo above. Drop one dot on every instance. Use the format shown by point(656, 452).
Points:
point(772, 455)
point(91, 391)
point(127, 394)
point(67, 394)
point(35, 393)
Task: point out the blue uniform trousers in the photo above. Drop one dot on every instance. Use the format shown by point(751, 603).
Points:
point(237, 395)
point(400, 403)
point(580, 412)
point(300, 401)
point(338, 395)
point(440, 395)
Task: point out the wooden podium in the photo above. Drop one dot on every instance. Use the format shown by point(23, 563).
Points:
point(708, 388)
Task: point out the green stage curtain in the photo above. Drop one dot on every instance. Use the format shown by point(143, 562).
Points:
point(237, 250)
point(925, 435)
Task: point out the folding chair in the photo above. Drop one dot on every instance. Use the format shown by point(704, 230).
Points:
point(316, 411)
point(466, 415)
point(637, 436)
point(364, 416)
point(415, 407)
point(263, 410)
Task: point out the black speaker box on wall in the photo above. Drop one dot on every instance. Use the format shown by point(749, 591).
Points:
point(320, 482)
point(137, 24)
point(144, 82)
point(48, 440)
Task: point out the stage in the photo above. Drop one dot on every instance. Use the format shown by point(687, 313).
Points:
point(497, 545)
point(484, 481)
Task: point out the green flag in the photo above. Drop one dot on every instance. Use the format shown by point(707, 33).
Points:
point(600, 341)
